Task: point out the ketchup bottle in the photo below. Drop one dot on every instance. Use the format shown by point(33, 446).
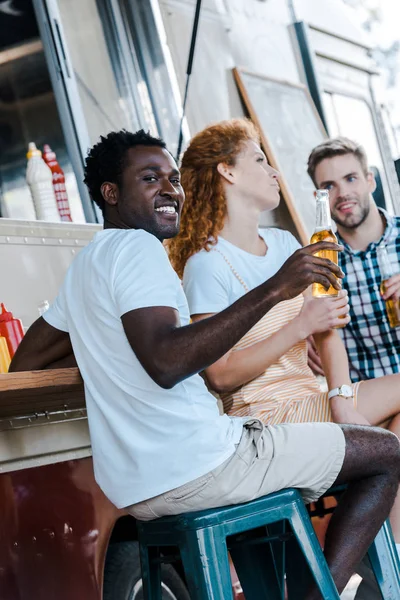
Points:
point(11, 329)
point(60, 190)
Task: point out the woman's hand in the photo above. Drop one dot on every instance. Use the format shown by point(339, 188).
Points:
point(322, 314)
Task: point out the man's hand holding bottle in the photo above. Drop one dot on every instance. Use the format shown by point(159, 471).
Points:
point(304, 268)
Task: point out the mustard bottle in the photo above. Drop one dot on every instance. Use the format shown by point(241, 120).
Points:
point(4, 355)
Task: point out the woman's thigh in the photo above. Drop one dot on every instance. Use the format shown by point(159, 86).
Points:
point(379, 399)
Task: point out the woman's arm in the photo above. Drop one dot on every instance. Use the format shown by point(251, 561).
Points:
point(336, 366)
point(333, 357)
point(237, 367)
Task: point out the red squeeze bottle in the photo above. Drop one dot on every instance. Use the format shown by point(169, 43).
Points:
point(11, 329)
point(60, 190)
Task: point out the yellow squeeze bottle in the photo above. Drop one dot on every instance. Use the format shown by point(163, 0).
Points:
point(4, 355)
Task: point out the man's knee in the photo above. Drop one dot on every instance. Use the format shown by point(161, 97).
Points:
point(371, 450)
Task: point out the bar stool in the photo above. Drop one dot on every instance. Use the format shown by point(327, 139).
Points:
point(253, 533)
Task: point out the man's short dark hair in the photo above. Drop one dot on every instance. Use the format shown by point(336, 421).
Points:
point(106, 159)
point(336, 147)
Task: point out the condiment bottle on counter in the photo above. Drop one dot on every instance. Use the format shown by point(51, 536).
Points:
point(60, 190)
point(11, 329)
point(40, 181)
point(4, 355)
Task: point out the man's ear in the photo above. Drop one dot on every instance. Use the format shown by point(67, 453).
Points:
point(371, 182)
point(226, 172)
point(109, 191)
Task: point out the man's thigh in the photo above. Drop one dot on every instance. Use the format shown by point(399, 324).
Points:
point(307, 456)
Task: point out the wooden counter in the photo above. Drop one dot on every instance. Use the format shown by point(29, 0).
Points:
point(31, 392)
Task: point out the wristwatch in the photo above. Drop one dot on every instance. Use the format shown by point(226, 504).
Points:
point(346, 391)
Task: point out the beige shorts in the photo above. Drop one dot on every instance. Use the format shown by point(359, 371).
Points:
point(307, 456)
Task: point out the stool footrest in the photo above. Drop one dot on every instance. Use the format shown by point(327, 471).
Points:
point(279, 537)
point(166, 559)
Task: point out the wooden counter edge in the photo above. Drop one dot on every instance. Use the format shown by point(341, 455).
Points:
point(40, 379)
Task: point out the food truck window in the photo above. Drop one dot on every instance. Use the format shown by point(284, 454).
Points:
point(351, 117)
point(90, 67)
point(118, 62)
point(154, 67)
point(28, 111)
point(106, 86)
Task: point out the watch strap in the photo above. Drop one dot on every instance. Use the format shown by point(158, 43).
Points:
point(338, 391)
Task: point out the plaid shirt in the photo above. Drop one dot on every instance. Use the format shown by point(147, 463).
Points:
point(372, 346)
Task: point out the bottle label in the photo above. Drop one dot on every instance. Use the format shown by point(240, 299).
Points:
point(61, 197)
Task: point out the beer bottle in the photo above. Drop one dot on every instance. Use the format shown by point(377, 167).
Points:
point(323, 233)
point(386, 269)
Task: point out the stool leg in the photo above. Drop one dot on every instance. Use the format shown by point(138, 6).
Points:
point(298, 576)
point(312, 551)
point(279, 549)
point(385, 563)
point(151, 572)
point(260, 573)
point(257, 573)
point(205, 561)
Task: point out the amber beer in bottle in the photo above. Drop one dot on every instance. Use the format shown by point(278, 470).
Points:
point(324, 233)
point(386, 269)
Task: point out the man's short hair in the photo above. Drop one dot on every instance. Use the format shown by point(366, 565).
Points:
point(106, 159)
point(336, 147)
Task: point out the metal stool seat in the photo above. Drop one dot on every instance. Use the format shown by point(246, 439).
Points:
point(204, 538)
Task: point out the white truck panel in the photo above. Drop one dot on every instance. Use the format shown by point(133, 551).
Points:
point(34, 257)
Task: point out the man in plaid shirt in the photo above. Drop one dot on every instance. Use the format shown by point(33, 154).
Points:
point(340, 166)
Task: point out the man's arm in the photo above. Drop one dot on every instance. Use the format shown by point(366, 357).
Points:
point(170, 353)
point(43, 347)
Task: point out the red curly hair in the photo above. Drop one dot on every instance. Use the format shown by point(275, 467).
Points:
point(204, 210)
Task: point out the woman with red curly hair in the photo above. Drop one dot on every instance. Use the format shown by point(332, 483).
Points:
point(221, 254)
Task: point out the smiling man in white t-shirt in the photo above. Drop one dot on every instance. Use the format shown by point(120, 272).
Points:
point(160, 445)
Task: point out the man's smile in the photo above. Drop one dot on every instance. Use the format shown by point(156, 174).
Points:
point(168, 209)
point(346, 207)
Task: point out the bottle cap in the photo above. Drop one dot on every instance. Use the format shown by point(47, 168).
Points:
point(32, 151)
point(322, 194)
point(5, 315)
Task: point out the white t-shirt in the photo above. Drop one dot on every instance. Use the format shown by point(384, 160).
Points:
point(146, 440)
point(210, 284)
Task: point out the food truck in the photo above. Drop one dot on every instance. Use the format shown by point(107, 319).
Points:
point(71, 71)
